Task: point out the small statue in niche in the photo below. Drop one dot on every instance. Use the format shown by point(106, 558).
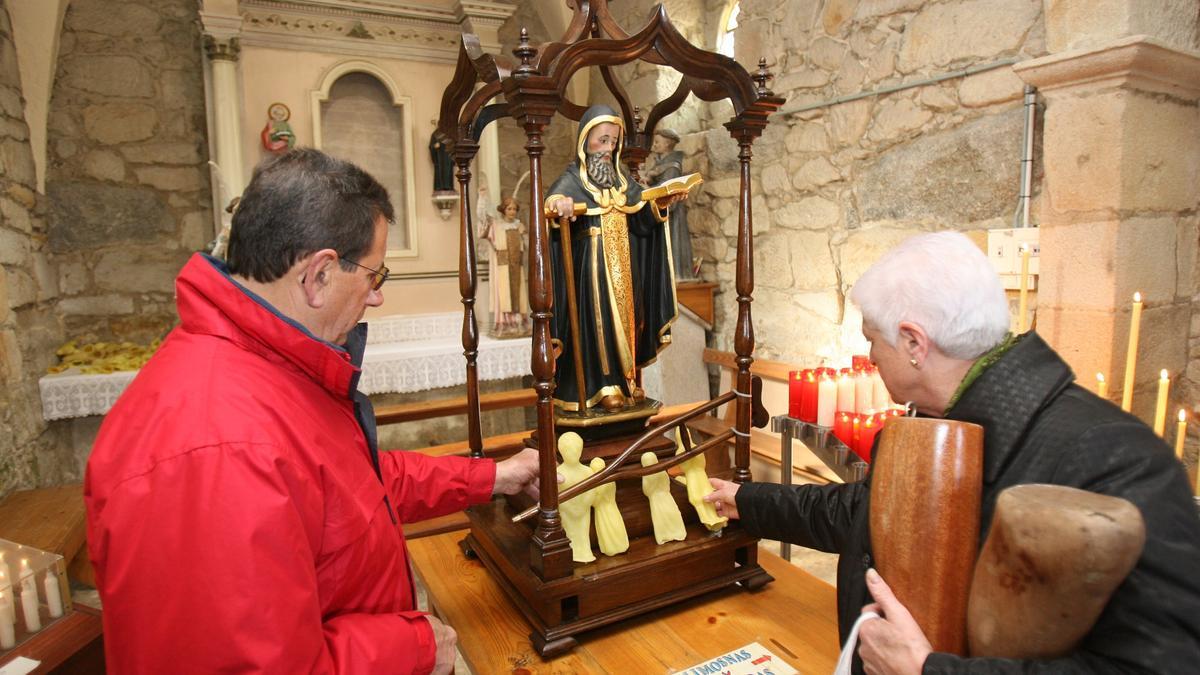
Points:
point(610, 526)
point(277, 136)
point(576, 511)
point(506, 270)
point(696, 479)
point(664, 512)
point(663, 164)
point(443, 163)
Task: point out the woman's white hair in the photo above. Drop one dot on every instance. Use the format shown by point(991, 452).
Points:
point(942, 282)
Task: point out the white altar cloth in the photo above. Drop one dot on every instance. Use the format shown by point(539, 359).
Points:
point(404, 354)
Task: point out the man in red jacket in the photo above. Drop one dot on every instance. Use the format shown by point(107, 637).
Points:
point(240, 516)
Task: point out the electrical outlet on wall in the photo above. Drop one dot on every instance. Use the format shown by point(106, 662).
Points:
point(1004, 252)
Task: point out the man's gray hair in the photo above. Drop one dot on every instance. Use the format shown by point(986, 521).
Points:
point(942, 282)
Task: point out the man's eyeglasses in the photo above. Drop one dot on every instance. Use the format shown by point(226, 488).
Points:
point(377, 276)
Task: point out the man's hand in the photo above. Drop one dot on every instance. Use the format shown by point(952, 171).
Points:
point(893, 643)
point(518, 473)
point(446, 639)
point(724, 498)
point(564, 207)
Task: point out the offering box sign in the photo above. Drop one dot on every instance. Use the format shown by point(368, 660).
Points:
point(753, 659)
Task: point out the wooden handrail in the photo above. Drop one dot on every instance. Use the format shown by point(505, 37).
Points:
point(423, 410)
point(773, 370)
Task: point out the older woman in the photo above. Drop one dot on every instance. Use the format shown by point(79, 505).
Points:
point(937, 319)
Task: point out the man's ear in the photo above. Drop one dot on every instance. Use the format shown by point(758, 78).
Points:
point(912, 340)
point(317, 276)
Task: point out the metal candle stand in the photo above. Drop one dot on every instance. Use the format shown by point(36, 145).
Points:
point(827, 447)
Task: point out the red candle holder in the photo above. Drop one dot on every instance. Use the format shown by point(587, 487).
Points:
point(795, 394)
point(843, 427)
point(860, 362)
point(868, 430)
point(808, 397)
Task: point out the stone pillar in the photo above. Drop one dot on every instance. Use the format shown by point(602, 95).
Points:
point(1122, 184)
point(225, 101)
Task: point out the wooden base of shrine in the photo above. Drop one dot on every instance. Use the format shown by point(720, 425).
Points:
point(610, 589)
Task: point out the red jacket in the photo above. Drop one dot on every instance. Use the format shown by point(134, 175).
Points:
point(235, 519)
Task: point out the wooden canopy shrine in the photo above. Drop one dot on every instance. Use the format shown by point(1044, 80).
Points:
point(533, 563)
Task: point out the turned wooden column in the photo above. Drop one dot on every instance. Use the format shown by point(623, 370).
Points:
point(464, 152)
point(743, 333)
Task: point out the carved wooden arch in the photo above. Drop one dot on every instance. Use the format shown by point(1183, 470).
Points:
point(533, 87)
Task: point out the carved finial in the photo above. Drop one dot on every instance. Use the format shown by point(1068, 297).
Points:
point(525, 52)
point(762, 77)
point(637, 119)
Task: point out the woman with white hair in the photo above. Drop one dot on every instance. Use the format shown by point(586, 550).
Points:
point(937, 319)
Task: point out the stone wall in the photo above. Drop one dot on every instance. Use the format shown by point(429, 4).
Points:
point(29, 329)
point(127, 185)
point(836, 185)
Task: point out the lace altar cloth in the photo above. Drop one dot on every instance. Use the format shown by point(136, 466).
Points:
point(404, 354)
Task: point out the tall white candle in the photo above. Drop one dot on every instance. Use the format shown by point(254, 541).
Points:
point(29, 599)
point(7, 611)
point(827, 398)
point(863, 393)
point(882, 400)
point(8, 633)
point(845, 399)
point(53, 594)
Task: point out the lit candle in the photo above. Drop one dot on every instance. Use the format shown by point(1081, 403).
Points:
point(827, 400)
point(29, 599)
point(855, 433)
point(54, 601)
point(860, 362)
point(1023, 304)
point(7, 613)
point(866, 438)
point(1160, 406)
point(863, 392)
point(881, 399)
point(795, 378)
point(845, 386)
point(1101, 386)
point(1180, 434)
point(843, 428)
point(808, 397)
point(1135, 321)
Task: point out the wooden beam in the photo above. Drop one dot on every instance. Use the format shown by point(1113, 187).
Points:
point(447, 407)
point(771, 370)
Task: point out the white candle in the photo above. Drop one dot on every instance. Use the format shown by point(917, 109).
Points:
point(1135, 325)
point(881, 399)
point(1180, 434)
point(862, 393)
point(845, 399)
point(53, 594)
point(8, 635)
point(1160, 406)
point(29, 599)
point(827, 399)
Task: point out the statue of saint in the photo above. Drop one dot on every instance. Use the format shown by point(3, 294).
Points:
point(620, 274)
point(443, 163)
point(505, 235)
point(667, 163)
point(277, 135)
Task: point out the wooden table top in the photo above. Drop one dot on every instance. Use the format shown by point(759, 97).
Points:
point(794, 617)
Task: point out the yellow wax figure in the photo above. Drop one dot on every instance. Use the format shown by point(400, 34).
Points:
point(664, 512)
point(610, 526)
point(577, 511)
point(696, 479)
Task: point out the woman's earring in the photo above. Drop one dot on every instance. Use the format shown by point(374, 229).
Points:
point(913, 362)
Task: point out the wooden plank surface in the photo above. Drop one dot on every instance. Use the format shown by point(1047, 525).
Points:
point(794, 616)
point(50, 519)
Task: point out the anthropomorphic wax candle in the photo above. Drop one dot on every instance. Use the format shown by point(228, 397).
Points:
point(29, 599)
point(577, 511)
point(54, 601)
point(697, 487)
point(610, 527)
point(664, 512)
